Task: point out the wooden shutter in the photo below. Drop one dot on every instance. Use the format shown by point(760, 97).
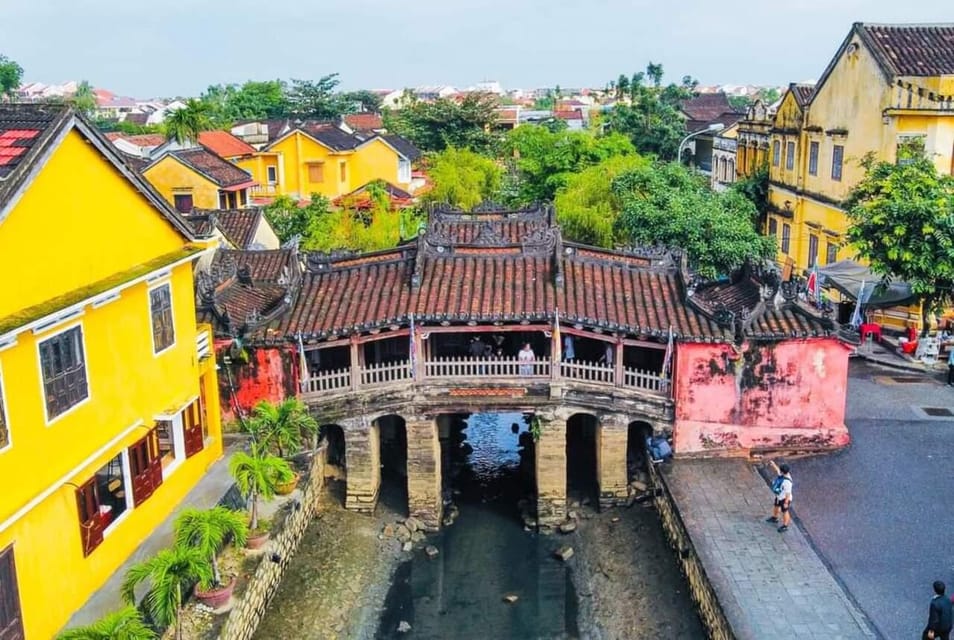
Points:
point(192, 419)
point(145, 466)
point(11, 620)
point(91, 525)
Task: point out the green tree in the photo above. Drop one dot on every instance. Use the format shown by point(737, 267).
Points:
point(289, 219)
point(756, 188)
point(10, 76)
point(170, 574)
point(587, 206)
point(740, 103)
point(282, 426)
point(84, 100)
point(125, 624)
point(257, 475)
point(545, 159)
point(185, 124)
point(902, 223)
point(434, 126)
point(208, 530)
point(317, 99)
point(463, 178)
point(665, 203)
point(367, 100)
point(252, 100)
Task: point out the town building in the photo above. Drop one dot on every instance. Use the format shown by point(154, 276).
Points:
point(703, 112)
point(109, 406)
point(724, 152)
point(196, 177)
point(246, 229)
point(753, 138)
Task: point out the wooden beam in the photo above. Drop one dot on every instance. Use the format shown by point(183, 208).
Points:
point(484, 328)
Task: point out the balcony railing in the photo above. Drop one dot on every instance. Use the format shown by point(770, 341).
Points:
point(377, 376)
point(264, 190)
point(203, 343)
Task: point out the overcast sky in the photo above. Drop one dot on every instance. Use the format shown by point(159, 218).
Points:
point(179, 47)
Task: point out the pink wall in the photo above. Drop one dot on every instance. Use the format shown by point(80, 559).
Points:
point(786, 395)
point(270, 374)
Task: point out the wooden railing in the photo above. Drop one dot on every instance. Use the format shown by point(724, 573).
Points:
point(332, 380)
point(588, 372)
point(378, 374)
point(486, 368)
point(645, 380)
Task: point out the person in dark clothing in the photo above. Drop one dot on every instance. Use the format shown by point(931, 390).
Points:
point(940, 615)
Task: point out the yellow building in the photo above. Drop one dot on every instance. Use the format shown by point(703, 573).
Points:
point(109, 409)
point(301, 158)
point(753, 135)
point(198, 178)
point(886, 85)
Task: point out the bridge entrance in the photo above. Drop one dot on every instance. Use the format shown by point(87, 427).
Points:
point(392, 430)
point(582, 484)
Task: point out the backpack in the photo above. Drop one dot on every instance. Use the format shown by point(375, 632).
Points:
point(777, 485)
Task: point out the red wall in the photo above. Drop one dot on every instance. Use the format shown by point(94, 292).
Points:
point(270, 374)
point(784, 395)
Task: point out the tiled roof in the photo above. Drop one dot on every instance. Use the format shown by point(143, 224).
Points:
point(912, 49)
point(803, 93)
point(364, 121)
point(146, 139)
point(25, 129)
point(568, 114)
point(331, 136)
point(237, 225)
point(224, 144)
point(404, 146)
point(137, 118)
point(220, 171)
point(706, 107)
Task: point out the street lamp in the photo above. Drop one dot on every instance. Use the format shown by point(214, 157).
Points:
point(712, 128)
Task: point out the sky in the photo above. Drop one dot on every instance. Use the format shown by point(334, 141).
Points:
point(179, 47)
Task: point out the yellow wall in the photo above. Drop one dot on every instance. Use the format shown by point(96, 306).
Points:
point(73, 227)
point(170, 176)
point(257, 165)
point(127, 383)
point(376, 161)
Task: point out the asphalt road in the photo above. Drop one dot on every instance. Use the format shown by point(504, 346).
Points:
point(880, 512)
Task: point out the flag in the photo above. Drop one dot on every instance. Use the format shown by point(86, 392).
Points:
point(302, 362)
point(412, 350)
point(667, 359)
point(813, 286)
point(856, 316)
point(557, 340)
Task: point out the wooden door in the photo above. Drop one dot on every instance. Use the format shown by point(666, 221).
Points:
point(91, 524)
point(192, 428)
point(11, 621)
point(145, 466)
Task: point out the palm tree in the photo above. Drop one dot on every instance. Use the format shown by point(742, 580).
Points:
point(185, 124)
point(257, 475)
point(282, 426)
point(125, 624)
point(170, 573)
point(208, 532)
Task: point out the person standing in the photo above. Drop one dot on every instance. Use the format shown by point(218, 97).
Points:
point(950, 365)
point(526, 358)
point(940, 615)
point(569, 353)
point(782, 488)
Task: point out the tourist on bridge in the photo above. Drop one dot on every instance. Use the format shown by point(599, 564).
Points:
point(782, 488)
point(568, 351)
point(476, 348)
point(526, 358)
point(940, 615)
point(607, 358)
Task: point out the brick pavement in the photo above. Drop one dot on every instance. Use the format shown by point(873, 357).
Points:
point(770, 584)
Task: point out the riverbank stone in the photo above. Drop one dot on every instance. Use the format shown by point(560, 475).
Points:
point(568, 527)
point(431, 551)
point(564, 553)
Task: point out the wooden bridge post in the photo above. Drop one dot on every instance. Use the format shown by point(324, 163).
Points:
point(611, 472)
point(551, 470)
point(618, 373)
point(355, 364)
point(363, 456)
point(424, 471)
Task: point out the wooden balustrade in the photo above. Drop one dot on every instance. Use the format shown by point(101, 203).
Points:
point(588, 372)
point(386, 373)
point(333, 380)
point(461, 367)
point(645, 380)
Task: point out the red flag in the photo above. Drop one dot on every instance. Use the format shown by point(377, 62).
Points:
point(813, 284)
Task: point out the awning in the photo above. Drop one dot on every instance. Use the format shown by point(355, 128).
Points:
point(846, 276)
point(240, 186)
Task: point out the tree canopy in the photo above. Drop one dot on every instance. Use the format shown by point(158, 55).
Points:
point(10, 76)
point(902, 223)
point(185, 124)
point(84, 100)
point(253, 99)
point(443, 123)
point(463, 178)
point(317, 98)
point(289, 220)
point(363, 100)
point(666, 203)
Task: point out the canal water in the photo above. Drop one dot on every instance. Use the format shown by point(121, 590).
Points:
point(486, 554)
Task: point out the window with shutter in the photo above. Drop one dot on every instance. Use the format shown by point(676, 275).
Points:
point(11, 620)
point(192, 426)
point(91, 525)
point(145, 467)
point(316, 172)
point(160, 312)
point(63, 366)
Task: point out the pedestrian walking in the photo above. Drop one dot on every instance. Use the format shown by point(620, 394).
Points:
point(569, 352)
point(940, 615)
point(782, 488)
point(526, 358)
point(950, 366)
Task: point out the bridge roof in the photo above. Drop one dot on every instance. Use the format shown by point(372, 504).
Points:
point(512, 266)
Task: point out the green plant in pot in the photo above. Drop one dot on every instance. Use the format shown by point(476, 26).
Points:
point(170, 574)
point(257, 475)
point(282, 428)
point(208, 531)
point(125, 624)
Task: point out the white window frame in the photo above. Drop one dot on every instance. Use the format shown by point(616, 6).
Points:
point(404, 170)
point(39, 361)
point(271, 175)
point(127, 485)
point(178, 447)
point(5, 414)
point(172, 310)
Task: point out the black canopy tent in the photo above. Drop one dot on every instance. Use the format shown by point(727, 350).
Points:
point(847, 277)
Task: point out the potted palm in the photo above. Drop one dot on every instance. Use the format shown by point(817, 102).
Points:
point(282, 429)
point(170, 574)
point(208, 531)
point(125, 624)
point(257, 475)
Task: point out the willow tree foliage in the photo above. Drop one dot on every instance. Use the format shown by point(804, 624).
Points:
point(463, 178)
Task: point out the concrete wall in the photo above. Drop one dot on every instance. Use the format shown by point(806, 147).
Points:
point(250, 609)
point(269, 375)
point(788, 395)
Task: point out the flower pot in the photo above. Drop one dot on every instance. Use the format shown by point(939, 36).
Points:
point(284, 488)
point(256, 540)
point(216, 597)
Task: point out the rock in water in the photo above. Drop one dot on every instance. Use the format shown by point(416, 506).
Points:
point(413, 524)
point(404, 626)
point(614, 519)
point(402, 533)
point(638, 486)
point(564, 553)
point(407, 546)
point(417, 536)
point(510, 598)
point(388, 531)
point(431, 551)
point(568, 527)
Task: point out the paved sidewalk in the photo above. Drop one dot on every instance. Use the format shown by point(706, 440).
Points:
point(770, 584)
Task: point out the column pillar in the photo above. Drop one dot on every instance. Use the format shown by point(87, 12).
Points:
point(363, 453)
point(618, 362)
point(424, 472)
point(355, 365)
point(550, 455)
point(611, 472)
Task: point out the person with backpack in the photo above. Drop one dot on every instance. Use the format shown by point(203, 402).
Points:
point(782, 489)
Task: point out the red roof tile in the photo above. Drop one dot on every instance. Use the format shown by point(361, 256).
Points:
point(568, 115)
point(912, 49)
point(224, 144)
point(364, 121)
point(220, 171)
